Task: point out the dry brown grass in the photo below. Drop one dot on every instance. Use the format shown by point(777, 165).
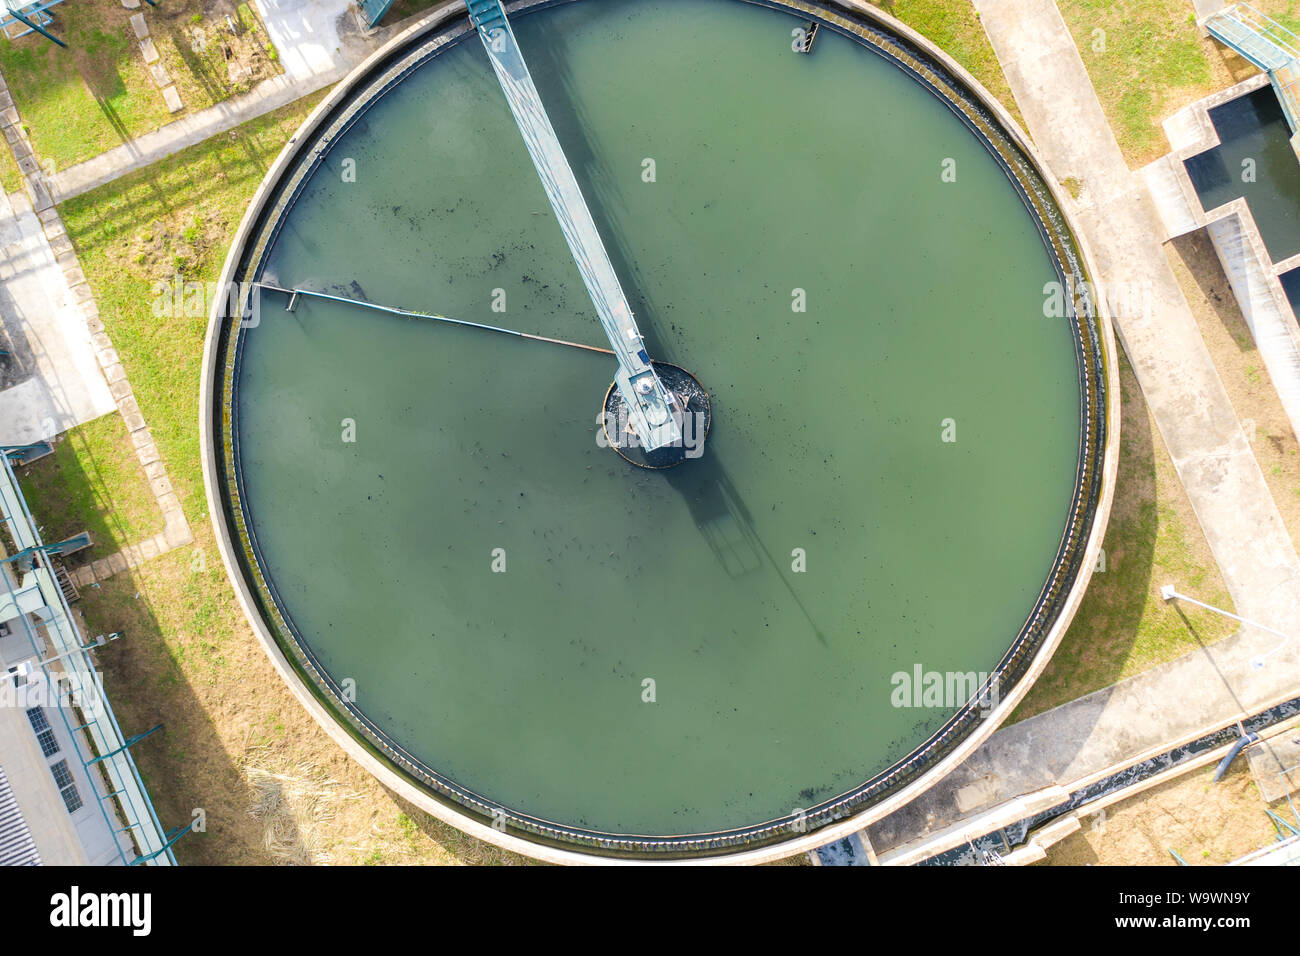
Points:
point(1206, 823)
point(1235, 355)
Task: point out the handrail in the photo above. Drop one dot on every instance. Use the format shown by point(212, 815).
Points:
point(97, 729)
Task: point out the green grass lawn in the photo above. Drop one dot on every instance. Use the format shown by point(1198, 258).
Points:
point(955, 26)
point(1123, 627)
point(92, 96)
point(93, 482)
point(173, 218)
point(1147, 60)
point(11, 177)
point(98, 93)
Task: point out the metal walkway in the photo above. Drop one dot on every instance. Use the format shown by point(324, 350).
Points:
point(31, 599)
point(1268, 45)
point(646, 398)
point(374, 10)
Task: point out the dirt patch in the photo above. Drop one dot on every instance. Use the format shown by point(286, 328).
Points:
point(214, 49)
point(1232, 347)
point(1205, 823)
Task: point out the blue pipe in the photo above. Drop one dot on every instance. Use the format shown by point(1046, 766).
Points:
point(1226, 762)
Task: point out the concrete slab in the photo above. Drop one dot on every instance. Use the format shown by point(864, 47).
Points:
point(52, 380)
point(149, 50)
point(1275, 765)
point(312, 36)
point(139, 25)
point(172, 97)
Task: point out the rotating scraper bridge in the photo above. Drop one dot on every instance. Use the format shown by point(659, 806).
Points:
point(646, 398)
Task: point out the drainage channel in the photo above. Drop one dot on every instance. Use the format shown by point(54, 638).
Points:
point(990, 847)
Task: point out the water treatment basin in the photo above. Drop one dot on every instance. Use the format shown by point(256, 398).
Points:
point(576, 657)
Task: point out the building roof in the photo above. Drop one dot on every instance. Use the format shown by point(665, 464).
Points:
point(17, 848)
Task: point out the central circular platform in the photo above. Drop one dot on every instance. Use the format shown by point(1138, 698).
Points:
point(563, 653)
point(692, 409)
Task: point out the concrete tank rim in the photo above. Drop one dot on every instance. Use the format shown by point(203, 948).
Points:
point(442, 810)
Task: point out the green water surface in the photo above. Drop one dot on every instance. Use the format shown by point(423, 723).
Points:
point(773, 172)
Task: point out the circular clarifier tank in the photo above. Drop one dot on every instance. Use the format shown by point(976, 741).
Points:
point(900, 497)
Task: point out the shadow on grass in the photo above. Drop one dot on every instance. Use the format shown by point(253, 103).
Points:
point(212, 85)
point(105, 83)
point(178, 182)
point(1095, 648)
point(1197, 254)
point(72, 490)
point(1237, 67)
point(187, 766)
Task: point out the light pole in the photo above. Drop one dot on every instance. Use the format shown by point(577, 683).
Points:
point(26, 667)
point(1169, 593)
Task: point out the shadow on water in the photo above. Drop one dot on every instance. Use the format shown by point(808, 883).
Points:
point(715, 503)
point(548, 61)
point(726, 524)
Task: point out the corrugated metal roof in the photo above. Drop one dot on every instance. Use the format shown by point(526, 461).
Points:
point(17, 848)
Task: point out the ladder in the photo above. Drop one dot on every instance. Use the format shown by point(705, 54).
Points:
point(1266, 44)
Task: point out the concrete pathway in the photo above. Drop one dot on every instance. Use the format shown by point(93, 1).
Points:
point(51, 381)
point(1178, 378)
point(64, 370)
point(1035, 764)
point(148, 149)
point(1038, 758)
point(319, 42)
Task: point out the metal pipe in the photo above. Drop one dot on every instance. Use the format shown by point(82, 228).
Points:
point(1169, 593)
point(407, 313)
